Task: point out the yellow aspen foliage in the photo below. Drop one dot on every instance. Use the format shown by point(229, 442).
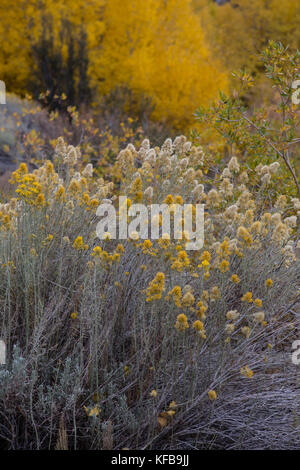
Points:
point(240, 30)
point(21, 27)
point(155, 49)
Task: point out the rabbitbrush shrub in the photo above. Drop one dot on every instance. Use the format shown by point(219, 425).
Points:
point(142, 344)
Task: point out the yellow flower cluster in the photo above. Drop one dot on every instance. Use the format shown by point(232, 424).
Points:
point(182, 261)
point(247, 372)
point(78, 244)
point(182, 322)
point(165, 416)
point(201, 309)
point(175, 293)
point(156, 287)
point(188, 299)
point(99, 254)
point(199, 327)
point(29, 189)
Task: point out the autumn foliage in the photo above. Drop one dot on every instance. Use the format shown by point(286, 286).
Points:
point(154, 49)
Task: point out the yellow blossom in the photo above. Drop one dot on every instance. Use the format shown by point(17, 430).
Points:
point(93, 411)
point(205, 256)
point(235, 278)
point(247, 372)
point(97, 251)
point(212, 395)
point(188, 299)
point(79, 245)
point(269, 283)
point(247, 297)
point(224, 266)
point(245, 235)
point(40, 200)
point(198, 325)
point(176, 294)
point(182, 322)
point(169, 199)
point(205, 263)
point(74, 186)
point(156, 287)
